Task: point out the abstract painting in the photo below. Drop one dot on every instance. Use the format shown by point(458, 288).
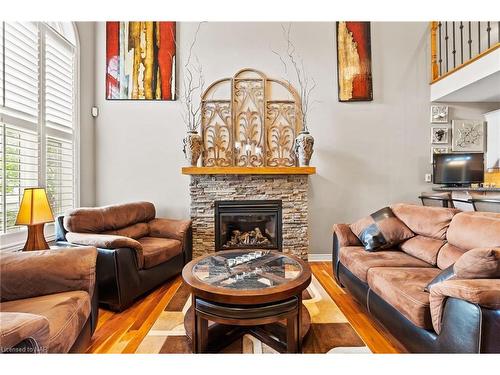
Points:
point(439, 114)
point(354, 61)
point(140, 60)
point(439, 134)
point(468, 135)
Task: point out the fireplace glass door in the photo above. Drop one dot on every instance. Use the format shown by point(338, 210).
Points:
point(248, 225)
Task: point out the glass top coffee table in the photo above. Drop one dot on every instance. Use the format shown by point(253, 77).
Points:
point(247, 291)
point(247, 270)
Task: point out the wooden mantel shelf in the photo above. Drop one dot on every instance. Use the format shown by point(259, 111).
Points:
point(248, 170)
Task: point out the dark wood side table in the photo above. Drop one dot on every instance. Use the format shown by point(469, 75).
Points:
point(243, 291)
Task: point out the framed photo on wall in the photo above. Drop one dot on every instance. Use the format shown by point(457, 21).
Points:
point(439, 114)
point(468, 136)
point(440, 135)
point(438, 150)
point(140, 60)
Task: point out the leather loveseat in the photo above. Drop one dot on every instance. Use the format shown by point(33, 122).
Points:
point(136, 251)
point(455, 315)
point(48, 300)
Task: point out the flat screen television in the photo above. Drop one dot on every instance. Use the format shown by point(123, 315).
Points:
point(458, 169)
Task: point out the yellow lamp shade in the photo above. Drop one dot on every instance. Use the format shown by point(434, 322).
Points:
point(35, 208)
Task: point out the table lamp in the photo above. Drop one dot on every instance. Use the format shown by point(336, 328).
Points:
point(34, 212)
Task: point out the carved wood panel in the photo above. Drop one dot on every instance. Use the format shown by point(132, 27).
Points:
point(217, 134)
point(251, 128)
point(281, 120)
point(248, 112)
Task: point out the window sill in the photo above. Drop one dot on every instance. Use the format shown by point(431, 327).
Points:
point(16, 240)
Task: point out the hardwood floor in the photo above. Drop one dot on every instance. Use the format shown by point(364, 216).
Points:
point(123, 332)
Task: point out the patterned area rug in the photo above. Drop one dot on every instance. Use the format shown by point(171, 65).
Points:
point(330, 331)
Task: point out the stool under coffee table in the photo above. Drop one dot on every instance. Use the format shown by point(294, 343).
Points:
point(243, 291)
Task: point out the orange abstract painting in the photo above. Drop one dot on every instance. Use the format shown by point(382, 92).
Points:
point(140, 60)
point(354, 61)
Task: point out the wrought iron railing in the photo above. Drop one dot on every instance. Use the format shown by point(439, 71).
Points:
point(457, 44)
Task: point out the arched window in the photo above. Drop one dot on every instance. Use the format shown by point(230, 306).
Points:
point(66, 30)
point(38, 116)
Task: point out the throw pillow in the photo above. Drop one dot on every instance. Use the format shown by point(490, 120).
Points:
point(381, 230)
point(480, 263)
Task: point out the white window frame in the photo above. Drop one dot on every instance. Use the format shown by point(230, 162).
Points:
point(15, 240)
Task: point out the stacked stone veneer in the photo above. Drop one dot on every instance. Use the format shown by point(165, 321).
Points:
point(290, 189)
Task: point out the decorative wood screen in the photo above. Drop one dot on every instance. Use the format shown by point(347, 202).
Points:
point(250, 120)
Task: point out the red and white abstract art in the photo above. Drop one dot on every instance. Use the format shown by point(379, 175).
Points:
point(140, 60)
point(354, 61)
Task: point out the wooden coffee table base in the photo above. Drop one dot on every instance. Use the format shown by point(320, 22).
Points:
point(283, 332)
point(261, 295)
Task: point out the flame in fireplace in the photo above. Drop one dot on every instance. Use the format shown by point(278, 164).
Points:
point(250, 238)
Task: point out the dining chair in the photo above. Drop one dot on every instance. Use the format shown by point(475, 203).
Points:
point(486, 203)
point(436, 199)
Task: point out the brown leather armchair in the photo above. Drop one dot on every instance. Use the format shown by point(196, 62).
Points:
point(136, 251)
point(48, 300)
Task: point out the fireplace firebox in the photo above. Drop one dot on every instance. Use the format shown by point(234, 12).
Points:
point(248, 224)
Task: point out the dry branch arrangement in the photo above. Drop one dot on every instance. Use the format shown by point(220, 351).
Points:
point(294, 62)
point(193, 85)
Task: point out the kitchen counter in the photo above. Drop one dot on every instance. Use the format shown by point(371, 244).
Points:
point(478, 189)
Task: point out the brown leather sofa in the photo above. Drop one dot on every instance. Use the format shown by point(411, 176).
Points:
point(136, 251)
point(457, 315)
point(48, 300)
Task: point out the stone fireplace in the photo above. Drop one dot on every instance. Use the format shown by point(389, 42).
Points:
point(249, 126)
point(211, 191)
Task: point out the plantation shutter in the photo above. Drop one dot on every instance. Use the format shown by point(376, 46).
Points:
point(21, 168)
point(1, 65)
point(59, 122)
point(21, 64)
point(19, 115)
point(37, 117)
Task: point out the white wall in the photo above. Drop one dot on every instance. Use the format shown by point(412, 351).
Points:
point(86, 34)
point(368, 154)
point(493, 147)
